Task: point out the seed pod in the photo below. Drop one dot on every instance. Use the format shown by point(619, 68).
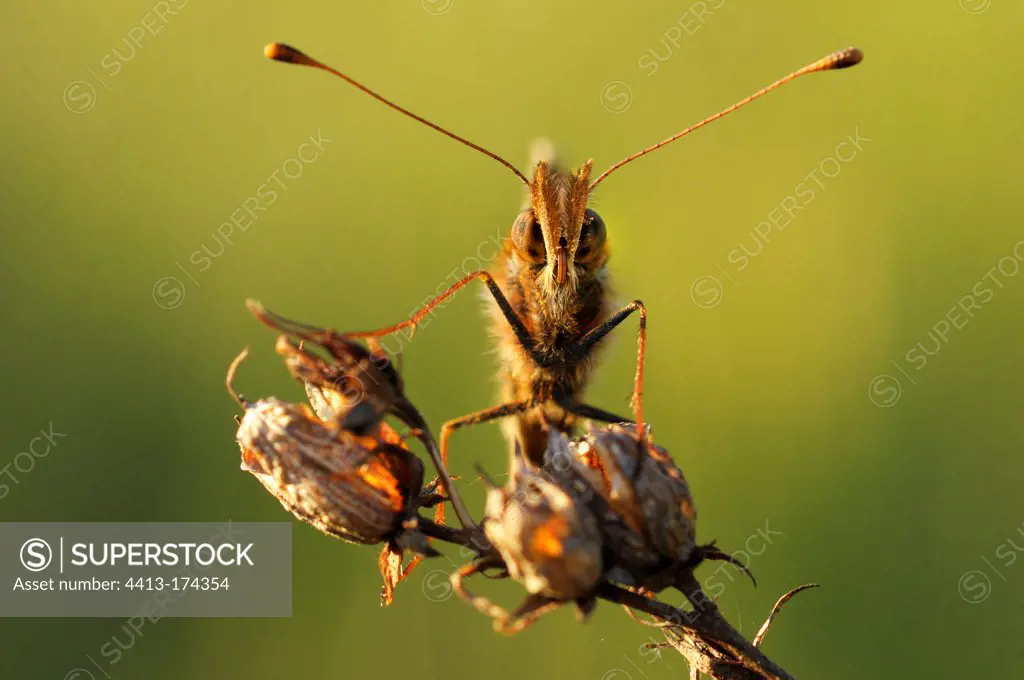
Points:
point(550, 543)
point(359, 489)
point(643, 502)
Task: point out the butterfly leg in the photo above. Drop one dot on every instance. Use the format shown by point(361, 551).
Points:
point(591, 339)
point(482, 416)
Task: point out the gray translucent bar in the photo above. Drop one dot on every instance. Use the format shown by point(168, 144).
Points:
point(149, 570)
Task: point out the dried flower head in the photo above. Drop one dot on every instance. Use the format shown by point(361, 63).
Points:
point(362, 488)
point(356, 488)
point(550, 543)
point(544, 539)
point(643, 502)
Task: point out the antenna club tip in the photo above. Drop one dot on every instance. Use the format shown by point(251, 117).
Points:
point(257, 309)
point(851, 56)
point(286, 53)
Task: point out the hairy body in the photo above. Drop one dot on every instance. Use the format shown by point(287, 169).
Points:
point(550, 311)
point(556, 315)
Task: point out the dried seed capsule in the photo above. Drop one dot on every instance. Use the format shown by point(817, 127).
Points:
point(356, 488)
point(634, 478)
point(550, 543)
point(643, 502)
point(544, 539)
point(362, 488)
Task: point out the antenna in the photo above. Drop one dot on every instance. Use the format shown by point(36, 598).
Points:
point(851, 56)
point(290, 55)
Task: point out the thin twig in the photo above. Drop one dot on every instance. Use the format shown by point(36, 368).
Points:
point(775, 610)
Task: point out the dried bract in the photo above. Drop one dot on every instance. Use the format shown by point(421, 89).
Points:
point(355, 388)
point(356, 383)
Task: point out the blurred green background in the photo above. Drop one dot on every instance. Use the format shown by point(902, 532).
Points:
point(789, 390)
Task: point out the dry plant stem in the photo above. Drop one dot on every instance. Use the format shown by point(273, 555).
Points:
point(418, 423)
point(470, 537)
point(705, 661)
point(744, 655)
point(703, 636)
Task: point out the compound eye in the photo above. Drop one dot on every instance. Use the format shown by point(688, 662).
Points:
point(592, 234)
point(536, 234)
point(528, 237)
